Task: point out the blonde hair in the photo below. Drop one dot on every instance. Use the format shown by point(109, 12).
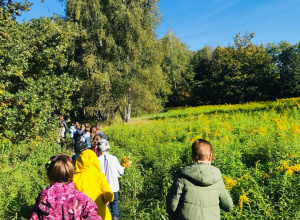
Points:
point(201, 150)
point(60, 169)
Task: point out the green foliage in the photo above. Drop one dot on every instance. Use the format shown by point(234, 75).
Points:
point(34, 83)
point(255, 146)
point(234, 74)
point(22, 176)
point(251, 143)
point(117, 56)
point(287, 58)
point(176, 65)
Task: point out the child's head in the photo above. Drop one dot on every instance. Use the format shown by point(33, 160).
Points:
point(60, 169)
point(99, 127)
point(93, 129)
point(96, 138)
point(103, 145)
point(77, 126)
point(61, 117)
point(61, 125)
point(201, 150)
point(87, 128)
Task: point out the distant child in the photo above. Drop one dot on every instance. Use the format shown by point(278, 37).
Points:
point(78, 134)
point(72, 130)
point(99, 131)
point(94, 148)
point(92, 182)
point(61, 120)
point(112, 169)
point(87, 135)
point(198, 192)
point(62, 136)
point(93, 131)
point(60, 200)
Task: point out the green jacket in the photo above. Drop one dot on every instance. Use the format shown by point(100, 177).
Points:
point(198, 192)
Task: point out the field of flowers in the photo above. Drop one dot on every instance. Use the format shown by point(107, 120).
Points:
point(256, 147)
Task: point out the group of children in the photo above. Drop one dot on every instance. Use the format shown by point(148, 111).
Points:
point(86, 186)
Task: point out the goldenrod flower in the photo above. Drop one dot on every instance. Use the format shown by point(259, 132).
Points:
point(229, 183)
point(126, 161)
point(243, 199)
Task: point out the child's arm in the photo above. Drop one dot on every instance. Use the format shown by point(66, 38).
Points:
point(225, 199)
point(173, 197)
point(118, 167)
point(107, 194)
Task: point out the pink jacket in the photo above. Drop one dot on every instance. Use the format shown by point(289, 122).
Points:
point(62, 201)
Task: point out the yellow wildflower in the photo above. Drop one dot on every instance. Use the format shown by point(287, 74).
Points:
point(293, 169)
point(243, 199)
point(126, 161)
point(229, 183)
point(227, 139)
point(262, 131)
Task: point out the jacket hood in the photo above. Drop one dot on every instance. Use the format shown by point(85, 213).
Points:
point(203, 174)
point(87, 160)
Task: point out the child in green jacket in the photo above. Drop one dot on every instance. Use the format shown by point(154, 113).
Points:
point(198, 192)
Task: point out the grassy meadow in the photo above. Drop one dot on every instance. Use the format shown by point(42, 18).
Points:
point(256, 147)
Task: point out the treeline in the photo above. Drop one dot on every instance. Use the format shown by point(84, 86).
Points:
point(104, 59)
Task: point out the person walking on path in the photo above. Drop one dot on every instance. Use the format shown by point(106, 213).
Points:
point(90, 180)
point(198, 192)
point(112, 169)
point(60, 200)
point(61, 120)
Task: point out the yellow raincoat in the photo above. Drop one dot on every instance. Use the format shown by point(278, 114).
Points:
point(91, 181)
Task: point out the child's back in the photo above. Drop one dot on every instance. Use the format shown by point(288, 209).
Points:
point(112, 169)
point(198, 192)
point(91, 181)
point(60, 200)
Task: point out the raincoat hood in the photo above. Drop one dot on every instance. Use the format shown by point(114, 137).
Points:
point(86, 161)
point(203, 174)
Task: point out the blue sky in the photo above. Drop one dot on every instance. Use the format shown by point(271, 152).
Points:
point(200, 23)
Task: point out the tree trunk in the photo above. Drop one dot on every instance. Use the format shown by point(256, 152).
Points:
point(127, 116)
point(128, 112)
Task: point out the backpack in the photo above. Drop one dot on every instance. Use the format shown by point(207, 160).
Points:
point(80, 142)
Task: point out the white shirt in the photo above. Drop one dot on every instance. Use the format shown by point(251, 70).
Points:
point(115, 170)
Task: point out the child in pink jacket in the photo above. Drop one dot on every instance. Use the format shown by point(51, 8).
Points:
point(60, 200)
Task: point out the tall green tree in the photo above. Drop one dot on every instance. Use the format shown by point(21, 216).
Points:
point(117, 55)
point(176, 65)
point(287, 59)
point(235, 74)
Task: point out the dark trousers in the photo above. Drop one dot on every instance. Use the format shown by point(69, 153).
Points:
point(114, 207)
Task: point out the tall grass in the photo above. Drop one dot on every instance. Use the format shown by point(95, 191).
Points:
point(256, 147)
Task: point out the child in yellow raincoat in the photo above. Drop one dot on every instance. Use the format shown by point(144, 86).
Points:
point(91, 181)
